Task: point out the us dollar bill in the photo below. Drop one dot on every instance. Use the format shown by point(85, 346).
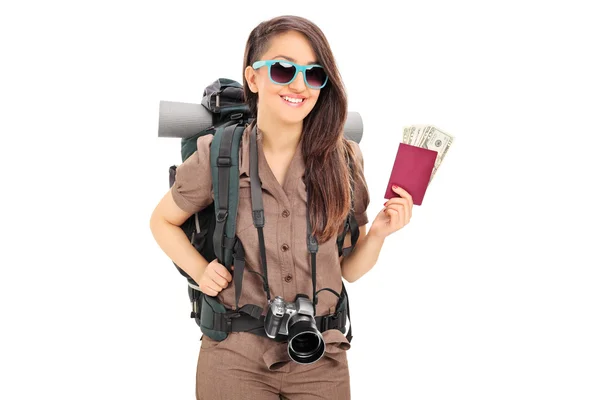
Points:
point(431, 138)
point(418, 134)
point(405, 134)
point(411, 134)
point(439, 141)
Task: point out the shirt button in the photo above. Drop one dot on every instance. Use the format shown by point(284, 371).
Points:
point(285, 247)
point(285, 213)
point(288, 278)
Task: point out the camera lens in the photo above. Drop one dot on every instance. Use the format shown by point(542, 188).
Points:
point(305, 342)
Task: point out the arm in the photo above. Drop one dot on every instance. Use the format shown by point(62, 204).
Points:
point(363, 257)
point(394, 217)
point(165, 224)
point(190, 193)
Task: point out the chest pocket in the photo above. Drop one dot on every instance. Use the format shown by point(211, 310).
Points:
point(244, 214)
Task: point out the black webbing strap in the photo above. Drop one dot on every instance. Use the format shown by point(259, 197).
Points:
point(350, 224)
point(345, 294)
point(333, 321)
point(223, 164)
point(247, 318)
point(243, 322)
point(342, 237)
point(258, 212)
point(354, 229)
point(354, 233)
point(239, 262)
point(313, 247)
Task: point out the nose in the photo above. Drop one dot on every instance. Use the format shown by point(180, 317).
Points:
point(298, 84)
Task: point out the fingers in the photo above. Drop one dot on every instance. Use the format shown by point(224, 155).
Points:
point(393, 214)
point(404, 194)
point(404, 209)
point(397, 214)
point(405, 200)
point(404, 203)
point(222, 272)
point(215, 278)
point(208, 289)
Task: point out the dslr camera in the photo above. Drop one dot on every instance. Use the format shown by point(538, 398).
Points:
point(297, 321)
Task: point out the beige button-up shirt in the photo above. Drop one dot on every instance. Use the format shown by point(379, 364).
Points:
point(288, 259)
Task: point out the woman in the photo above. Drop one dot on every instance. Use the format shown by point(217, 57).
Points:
point(300, 113)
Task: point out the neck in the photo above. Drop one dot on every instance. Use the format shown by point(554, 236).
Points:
point(279, 138)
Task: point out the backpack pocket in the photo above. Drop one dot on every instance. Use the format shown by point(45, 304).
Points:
point(209, 307)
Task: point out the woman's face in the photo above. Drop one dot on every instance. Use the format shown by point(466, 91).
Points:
point(294, 47)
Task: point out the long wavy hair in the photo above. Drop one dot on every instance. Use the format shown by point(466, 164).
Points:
point(324, 147)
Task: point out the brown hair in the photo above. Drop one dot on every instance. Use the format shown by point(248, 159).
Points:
point(324, 147)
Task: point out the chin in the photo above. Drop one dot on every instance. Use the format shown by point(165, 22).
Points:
point(289, 120)
point(294, 118)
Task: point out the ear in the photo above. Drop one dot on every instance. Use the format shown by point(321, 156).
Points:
point(250, 76)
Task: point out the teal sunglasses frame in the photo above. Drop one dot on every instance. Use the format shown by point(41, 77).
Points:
point(302, 68)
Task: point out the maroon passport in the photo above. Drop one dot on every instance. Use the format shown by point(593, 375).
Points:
point(411, 171)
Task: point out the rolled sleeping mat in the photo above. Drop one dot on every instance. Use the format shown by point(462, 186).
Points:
point(182, 120)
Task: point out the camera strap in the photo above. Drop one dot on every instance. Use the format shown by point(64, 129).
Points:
point(258, 218)
point(258, 212)
point(313, 247)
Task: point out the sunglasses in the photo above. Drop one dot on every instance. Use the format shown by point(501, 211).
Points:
point(284, 72)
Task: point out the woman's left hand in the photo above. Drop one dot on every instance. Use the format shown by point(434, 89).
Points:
point(395, 216)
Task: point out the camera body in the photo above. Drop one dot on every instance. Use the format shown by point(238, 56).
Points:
point(297, 321)
point(280, 313)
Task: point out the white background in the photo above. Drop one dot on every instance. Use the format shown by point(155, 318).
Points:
point(491, 292)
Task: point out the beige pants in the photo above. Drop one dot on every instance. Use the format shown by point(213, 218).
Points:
point(249, 367)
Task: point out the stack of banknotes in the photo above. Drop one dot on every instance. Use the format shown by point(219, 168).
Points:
point(429, 137)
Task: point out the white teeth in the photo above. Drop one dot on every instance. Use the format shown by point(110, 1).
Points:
point(293, 100)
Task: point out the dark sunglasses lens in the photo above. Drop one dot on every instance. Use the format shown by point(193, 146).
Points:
point(282, 72)
point(316, 76)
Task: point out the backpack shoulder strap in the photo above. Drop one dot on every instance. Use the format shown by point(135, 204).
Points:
point(350, 225)
point(224, 160)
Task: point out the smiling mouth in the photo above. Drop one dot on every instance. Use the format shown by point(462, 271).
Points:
point(292, 100)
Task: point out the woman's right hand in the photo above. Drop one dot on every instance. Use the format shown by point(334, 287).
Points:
point(214, 278)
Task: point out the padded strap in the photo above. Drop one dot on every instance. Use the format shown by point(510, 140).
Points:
point(221, 209)
point(225, 176)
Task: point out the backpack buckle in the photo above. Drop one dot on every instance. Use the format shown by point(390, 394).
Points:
point(228, 317)
point(222, 215)
point(331, 321)
point(324, 324)
point(234, 314)
point(313, 246)
point(258, 217)
point(194, 313)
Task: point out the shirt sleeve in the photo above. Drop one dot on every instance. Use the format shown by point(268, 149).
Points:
point(192, 190)
point(361, 189)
